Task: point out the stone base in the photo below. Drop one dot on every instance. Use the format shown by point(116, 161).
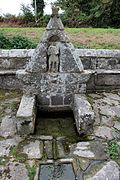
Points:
point(26, 115)
point(83, 113)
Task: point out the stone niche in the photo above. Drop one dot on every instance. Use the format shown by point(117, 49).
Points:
point(55, 72)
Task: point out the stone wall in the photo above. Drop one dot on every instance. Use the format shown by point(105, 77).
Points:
point(100, 62)
point(99, 59)
point(14, 59)
point(91, 59)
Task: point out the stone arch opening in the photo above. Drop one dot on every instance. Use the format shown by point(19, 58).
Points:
point(54, 38)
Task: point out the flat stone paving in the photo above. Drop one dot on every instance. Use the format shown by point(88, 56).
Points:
point(21, 158)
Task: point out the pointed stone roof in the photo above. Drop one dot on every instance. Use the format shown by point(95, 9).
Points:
point(54, 34)
point(55, 28)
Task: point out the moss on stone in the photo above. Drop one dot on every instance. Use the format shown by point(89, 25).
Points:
point(59, 127)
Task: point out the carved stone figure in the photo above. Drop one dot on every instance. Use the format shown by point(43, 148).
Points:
point(53, 61)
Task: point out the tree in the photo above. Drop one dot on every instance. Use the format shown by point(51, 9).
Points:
point(27, 13)
point(98, 13)
point(39, 7)
point(115, 13)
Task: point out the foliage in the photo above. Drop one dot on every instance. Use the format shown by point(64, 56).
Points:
point(98, 13)
point(114, 151)
point(39, 7)
point(4, 42)
point(16, 42)
point(100, 38)
point(17, 155)
point(31, 171)
point(116, 118)
point(28, 16)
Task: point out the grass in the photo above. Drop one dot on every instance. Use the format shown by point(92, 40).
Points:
point(31, 171)
point(114, 151)
point(8, 94)
point(98, 38)
point(116, 118)
point(21, 157)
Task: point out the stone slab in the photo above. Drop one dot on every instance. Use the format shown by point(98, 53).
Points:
point(83, 113)
point(33, 150)
point(109, 171)
point(8, 127)
point(26, 115)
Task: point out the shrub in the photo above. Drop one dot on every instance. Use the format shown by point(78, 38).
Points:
point(16, 42)
point(4, 42)
point(19, 42)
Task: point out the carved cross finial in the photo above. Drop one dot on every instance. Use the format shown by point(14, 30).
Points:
point(55, 11)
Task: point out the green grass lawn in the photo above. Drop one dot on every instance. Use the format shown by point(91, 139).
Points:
point(98, 38)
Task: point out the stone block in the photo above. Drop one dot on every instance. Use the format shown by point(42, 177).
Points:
point(83, 113)
point(26, 115)
point(108, 78)
point(57, 100)
point(69, 60)
point(68, 99)
point(109, 170)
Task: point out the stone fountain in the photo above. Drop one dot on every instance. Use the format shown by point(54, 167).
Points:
point(54, 80)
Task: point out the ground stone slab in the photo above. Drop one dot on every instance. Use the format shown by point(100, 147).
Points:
point(17, 171)
point(117, 125)
point(91, 150)
point(61, 152)
point(6, 145)
point(8, 127)
point(107, 121)
point(48, 149)
point(110, 171)
point(83, 150)
point(104, 132)
point(107, 111)
point(33, 150)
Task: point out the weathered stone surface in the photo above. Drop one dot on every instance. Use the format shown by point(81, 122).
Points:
point(55, 22)
point(26, 115)
point(83, 113)
point(107, 78)
point(91, 150)
point(84, 163)
point(33, 150)
point(117, 125)
point(107, 111)
point(91, 59)
point(55, 70)
point(104, 132)
point(107, 121)
point(38, 61)
point(83, 150)
point(45, 138)
point(109, 171)
point(69, 61)
point(48, 149)
point(61, 152)
point(5, 145)
point(8, 127)
point(17, 171)
point(98, 52)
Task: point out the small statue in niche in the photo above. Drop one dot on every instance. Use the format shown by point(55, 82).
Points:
point(53, 61)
